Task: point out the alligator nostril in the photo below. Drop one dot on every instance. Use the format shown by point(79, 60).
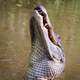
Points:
point(41, 12)
point(38, 8)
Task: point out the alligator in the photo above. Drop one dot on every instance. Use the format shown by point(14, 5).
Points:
point(47, 55)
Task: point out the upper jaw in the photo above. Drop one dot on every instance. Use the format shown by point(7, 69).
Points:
point(41, 16)
point(42, 12)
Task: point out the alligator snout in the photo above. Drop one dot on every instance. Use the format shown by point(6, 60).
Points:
point(41, 10)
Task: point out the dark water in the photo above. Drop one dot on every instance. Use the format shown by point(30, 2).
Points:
point(15, 35)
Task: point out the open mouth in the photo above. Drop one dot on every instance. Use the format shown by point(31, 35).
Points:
point(52, 36)
point(45, 23)
point(43, 14)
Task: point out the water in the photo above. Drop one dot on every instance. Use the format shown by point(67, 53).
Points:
point(15, 42)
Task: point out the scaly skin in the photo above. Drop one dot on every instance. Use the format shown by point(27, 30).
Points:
point(47, 59)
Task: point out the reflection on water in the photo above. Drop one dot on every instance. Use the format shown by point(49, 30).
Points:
point(15, 36)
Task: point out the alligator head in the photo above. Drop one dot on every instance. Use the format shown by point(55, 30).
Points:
point(41, 30)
